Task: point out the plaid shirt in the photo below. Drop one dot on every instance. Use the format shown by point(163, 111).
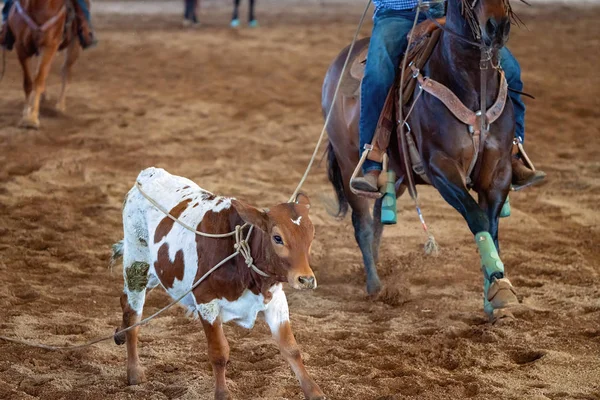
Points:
point(396, 4)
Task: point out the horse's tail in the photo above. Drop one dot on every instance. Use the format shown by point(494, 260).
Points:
point(334, 173)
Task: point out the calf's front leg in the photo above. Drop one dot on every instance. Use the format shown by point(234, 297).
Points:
point(218, 353)
point(277, 316)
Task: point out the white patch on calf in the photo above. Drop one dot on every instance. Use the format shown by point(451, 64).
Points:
point(297, 221)
point(277, 311)
point(245, 309)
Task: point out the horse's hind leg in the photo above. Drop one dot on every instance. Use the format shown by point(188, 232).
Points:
point(71, 56)
point(31, 113)
point(364, 235)
point(377, 229)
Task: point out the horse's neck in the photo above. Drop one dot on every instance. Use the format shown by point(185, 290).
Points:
point(456, 65)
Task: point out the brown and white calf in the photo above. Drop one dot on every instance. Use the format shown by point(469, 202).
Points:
point(158, 251)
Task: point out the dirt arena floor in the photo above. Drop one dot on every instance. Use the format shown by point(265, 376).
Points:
point(238, 112)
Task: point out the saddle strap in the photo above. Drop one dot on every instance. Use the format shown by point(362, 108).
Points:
point(32, 24)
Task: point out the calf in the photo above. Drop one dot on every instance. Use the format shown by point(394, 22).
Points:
point(156, 250)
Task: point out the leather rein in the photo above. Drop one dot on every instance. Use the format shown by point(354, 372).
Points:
point(32, 24)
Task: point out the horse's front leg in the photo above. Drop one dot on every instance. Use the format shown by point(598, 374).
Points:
point(277, 317)
point(448, 178)
point(31, 113)
point(493, 188)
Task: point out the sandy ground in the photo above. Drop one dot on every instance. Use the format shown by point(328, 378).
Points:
point(238, 112)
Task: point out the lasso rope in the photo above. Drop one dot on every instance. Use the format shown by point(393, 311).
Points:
point(330, 112)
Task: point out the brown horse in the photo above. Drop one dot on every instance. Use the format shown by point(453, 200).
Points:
point(40, 27)
point(445, 144)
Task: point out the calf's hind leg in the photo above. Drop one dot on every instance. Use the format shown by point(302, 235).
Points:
point(132, 303)
point(218, 353)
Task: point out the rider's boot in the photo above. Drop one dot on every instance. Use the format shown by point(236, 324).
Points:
point(367, 183)
point(522, 175)
point(85, 32)
point(7, 39)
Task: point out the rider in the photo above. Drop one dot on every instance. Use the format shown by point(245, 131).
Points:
point(392, 21)
point(84, 25)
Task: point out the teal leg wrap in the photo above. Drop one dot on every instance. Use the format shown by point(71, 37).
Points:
point(505, 212)
point(388, 205)
point(491, 265)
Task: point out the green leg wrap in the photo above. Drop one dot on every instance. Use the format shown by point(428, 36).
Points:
point(505, 212)
point(491, 265)
point(388, 205)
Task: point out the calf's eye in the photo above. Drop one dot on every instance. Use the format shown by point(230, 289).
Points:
point(277, 239)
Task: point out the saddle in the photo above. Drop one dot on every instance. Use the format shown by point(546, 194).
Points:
point(425, 38)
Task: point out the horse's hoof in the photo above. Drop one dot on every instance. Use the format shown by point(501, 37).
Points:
point(135, 376)
point(501, 300)
point(253, 24)
point(29, 123)
point(61, 107)
point(234, 23)
point(373, 287)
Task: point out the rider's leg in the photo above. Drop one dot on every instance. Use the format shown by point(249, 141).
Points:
point(251, 17)
point(84, 21)
point(6, 37)
point(235, 20)
point(522, 175)
point(388, 42)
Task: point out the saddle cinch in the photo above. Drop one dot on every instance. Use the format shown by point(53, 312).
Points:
point(425, 38)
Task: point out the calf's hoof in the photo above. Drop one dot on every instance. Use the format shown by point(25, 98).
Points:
point(135, 376)
point(29, 123)
point(223, 395)
point(119, 338)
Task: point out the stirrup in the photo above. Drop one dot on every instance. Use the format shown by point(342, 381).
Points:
point(362, 193)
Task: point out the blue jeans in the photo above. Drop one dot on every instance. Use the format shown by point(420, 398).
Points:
point(388, 43)
point(82, 3)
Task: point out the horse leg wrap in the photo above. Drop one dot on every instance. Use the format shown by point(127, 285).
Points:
point(492, 267)
point(388, 206)
point(505, 212)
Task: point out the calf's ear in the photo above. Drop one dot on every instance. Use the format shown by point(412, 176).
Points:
point(251, 215)
point(303, 199)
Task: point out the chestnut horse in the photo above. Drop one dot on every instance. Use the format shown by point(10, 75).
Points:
point(444, 143)
point(39, 28)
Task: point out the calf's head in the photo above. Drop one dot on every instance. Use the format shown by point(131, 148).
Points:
point(289, 233)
